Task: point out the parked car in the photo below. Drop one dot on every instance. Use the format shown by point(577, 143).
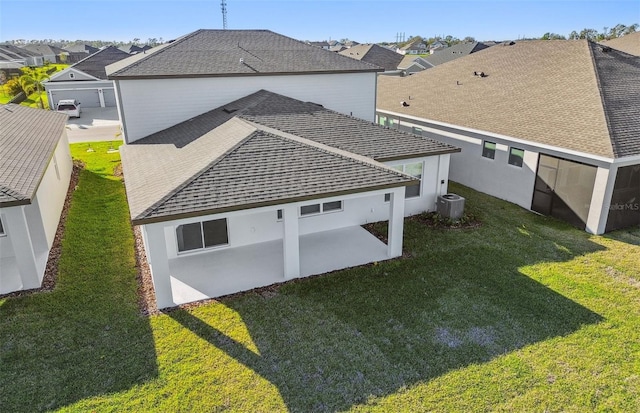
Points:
point(69, 106)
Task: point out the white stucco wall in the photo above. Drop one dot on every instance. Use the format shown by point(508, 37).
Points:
point(148, 106)
point(42, 217)
point(53, 189)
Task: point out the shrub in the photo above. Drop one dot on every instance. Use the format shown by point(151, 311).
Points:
point(12, 87)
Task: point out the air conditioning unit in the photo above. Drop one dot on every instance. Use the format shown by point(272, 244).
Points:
point(450, 206)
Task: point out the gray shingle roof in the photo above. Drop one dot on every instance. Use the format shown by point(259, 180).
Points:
point(374, 54)
point(43, 49)
point(453, 52)
point(95, 64)
point(263, 149)
point(205, 53)
point(266, 169)
point(16, 52)
point(619, 79)
point(28, 138)
point(543, 91)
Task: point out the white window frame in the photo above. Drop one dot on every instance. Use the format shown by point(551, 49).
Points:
point(203, 248)
point(401, 168)
point(322, 210)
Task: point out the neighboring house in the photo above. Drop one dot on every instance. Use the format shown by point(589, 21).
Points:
point(451, 53)
point(86, 81)
point(436, 46)
point(48, 52)
point(629, 43)
point(376, 55)
point(323, 44)
point(553, 126)
point(416, 47)
point(248, 187)
point(411, 64)
point(17, 54)
point(81, 48)
point(9, 67)
point(34, 177)
point(134, 48)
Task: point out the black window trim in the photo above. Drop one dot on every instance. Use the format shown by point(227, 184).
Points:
point(203, 247)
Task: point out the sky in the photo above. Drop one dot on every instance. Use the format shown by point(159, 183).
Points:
point(360, 20)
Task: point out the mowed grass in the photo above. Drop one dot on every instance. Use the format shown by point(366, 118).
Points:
point(522, 314)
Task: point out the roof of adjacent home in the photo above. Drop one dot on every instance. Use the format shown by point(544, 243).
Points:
point(28, 138)
point(79, 47)
point(16, 52)
point(571, 94)
point(264, 149)
point(374, 54)
point(96, 63)
point(629, 43)
point(451, 53)
point(206, 53)
point(43, 49)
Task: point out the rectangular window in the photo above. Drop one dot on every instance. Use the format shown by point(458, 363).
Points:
point(489, 149)
point(415, 170)
point(279, 215)
point(200, 235)
point(1, 229)
point(332, 206)
point(417, 130)
point(215, 232)
point(321, 208)
point(310, 209)
point(516, 157)
point(382, 120)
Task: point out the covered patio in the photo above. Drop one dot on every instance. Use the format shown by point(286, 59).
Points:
point(227, 271)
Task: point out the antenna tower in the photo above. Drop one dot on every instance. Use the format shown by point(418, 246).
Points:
point(223, 6)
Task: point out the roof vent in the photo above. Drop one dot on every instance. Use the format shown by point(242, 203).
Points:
point(481, 74)
point(241, 61)
point(403, 103)
point(509, 43)
point(229, 110)
point(605, 49)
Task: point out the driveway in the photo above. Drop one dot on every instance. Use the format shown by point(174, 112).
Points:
point(95, 124)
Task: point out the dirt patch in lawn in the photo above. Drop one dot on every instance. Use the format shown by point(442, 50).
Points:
point(51, 270)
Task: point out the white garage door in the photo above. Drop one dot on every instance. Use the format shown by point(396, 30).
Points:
point(87, 97)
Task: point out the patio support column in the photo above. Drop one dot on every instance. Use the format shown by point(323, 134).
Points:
point(18, 232)
point(601, 199)
point(159, 263)
point(396, 222)
point(291, 241)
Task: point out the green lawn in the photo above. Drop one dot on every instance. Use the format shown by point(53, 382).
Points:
point(521, 314)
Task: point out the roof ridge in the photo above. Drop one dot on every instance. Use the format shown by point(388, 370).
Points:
point(169, 46)
point(321, 147)
point(152, 208)
point(590, 46)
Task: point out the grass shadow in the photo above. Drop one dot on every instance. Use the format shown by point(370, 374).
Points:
point(331, 343)
point(87, 337)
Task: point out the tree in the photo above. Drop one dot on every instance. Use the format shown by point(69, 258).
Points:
point(552, 36)
point(135, 41)
point(469, 39)
point(574, 35)
point(31, 81)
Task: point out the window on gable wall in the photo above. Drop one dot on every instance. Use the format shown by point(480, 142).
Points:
point(1, 228)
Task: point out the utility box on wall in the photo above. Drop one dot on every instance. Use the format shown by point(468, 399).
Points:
point(450, 206)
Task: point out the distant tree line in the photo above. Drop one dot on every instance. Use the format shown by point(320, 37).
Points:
point(152, 41)
point(607, 33)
